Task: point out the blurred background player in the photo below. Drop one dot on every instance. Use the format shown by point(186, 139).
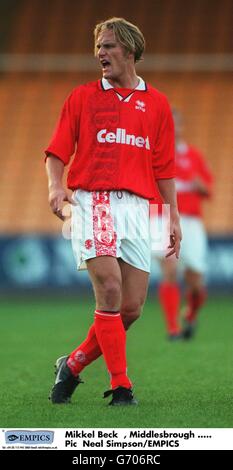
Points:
point(193, 184)
point(111, 125)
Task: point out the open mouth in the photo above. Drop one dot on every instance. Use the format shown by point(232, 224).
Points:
point(105, 64)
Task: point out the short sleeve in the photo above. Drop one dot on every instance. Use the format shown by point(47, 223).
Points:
point(62, 144)
point(164, 148)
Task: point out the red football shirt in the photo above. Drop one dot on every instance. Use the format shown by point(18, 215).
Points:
point(190, 164)
point(121, 139)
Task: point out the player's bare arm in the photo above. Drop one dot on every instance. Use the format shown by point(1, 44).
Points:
point(57, 194)
point(167, 190)
point(201, 186)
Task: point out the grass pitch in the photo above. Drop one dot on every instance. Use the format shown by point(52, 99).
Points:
point(179, 384)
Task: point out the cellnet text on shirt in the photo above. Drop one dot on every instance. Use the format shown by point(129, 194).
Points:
point(120, 137)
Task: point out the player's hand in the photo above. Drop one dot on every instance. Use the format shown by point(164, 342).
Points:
point(175, 235)
point(199, 186)
point(57, 196)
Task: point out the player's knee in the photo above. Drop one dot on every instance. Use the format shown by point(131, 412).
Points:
point(130, 313)
point(110, 293)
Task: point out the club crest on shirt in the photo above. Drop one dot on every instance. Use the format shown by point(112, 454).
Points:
point(140, 105)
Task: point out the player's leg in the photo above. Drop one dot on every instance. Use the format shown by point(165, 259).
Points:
point(196, 295)
point(134, 291)
point(84, 354)
point(83, 240)
point(168, 289)
point(169, 296)
point(135, 258)
point(85, 243)
point(194, 255)
point(106, 279)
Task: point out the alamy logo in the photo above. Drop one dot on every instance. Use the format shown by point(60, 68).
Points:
point(121, 137)
point(29, 437)
point(140, 105)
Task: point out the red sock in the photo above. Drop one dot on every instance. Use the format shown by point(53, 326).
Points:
point(195, 300)
point(169, 297)
point(86, 353)
point(111, 336)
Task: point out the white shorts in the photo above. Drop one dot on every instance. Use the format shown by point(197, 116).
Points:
point(111, 223)
point(193, 252)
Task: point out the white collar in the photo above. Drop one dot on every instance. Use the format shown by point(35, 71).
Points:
point(141, 85)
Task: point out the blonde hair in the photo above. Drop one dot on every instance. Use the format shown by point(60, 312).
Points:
point(126, 33)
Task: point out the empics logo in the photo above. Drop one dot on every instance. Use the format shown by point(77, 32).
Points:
point(29, 437)
point(12, 437)
point(120, 137)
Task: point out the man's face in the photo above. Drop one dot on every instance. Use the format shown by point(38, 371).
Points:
point(114, 59)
